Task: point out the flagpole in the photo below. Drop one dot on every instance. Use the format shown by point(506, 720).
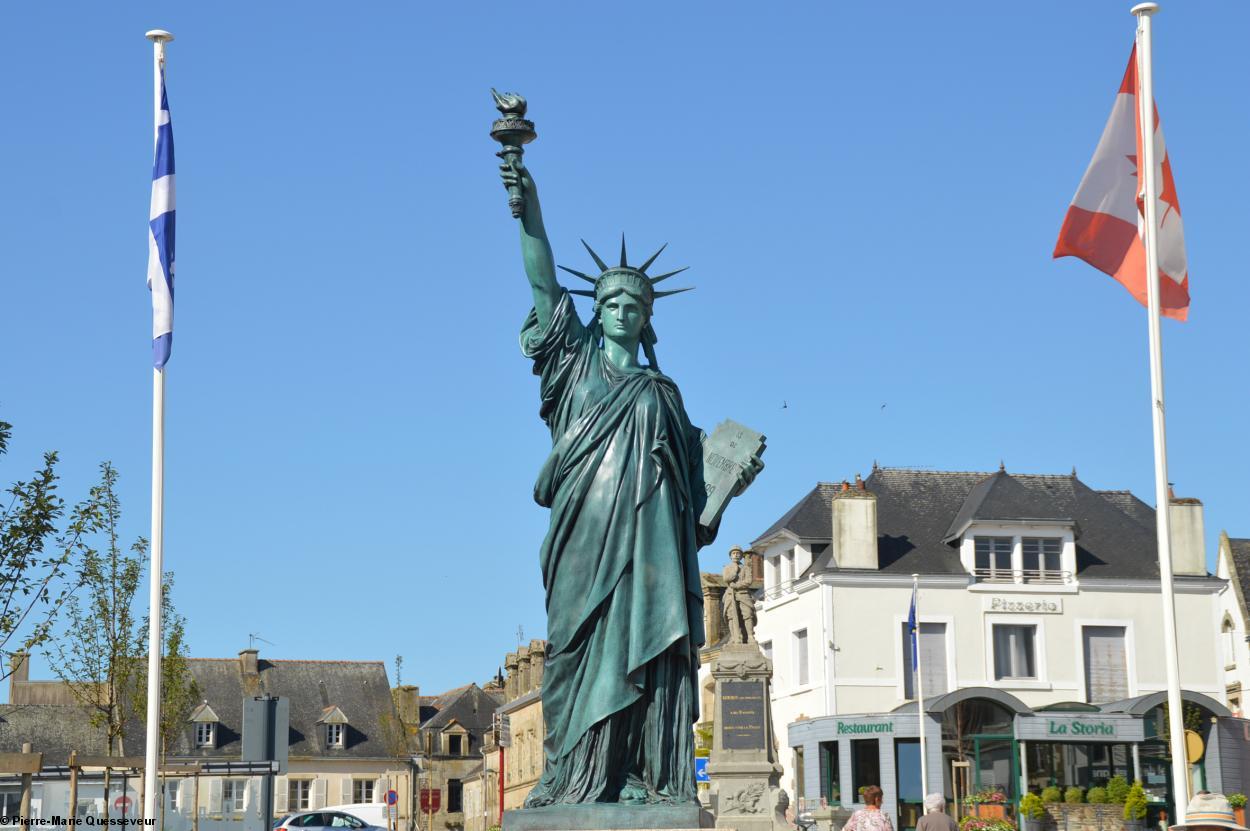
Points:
point(918, 674)
point(151, 785)
point(1163, 523)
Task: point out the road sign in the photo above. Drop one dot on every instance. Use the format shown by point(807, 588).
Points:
point(503, 729)
point(392, 797)
point(700, 769)
point(122, 803)
point(431, 800)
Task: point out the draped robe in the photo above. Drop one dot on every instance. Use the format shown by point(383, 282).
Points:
point(624, 483)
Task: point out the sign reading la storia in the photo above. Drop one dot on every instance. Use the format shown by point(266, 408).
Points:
point(1067, 727)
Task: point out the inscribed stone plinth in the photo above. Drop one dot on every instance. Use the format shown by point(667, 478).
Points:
point(743, 766)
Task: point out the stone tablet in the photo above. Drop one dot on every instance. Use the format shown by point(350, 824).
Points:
point(726, 453)
point(742, 715)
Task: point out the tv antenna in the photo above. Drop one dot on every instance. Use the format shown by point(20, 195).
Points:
point(253, 637)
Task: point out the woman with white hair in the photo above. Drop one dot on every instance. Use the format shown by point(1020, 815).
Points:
point(935, 817)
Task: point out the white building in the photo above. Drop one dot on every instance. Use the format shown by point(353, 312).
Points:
point(1233, 565)
point(1040, 636)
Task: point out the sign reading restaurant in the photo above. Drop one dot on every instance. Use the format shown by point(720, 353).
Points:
point(1025, 605)
point(875, 726)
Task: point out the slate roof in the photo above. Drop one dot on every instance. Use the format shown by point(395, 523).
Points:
point(359, 689)
point(52, 729)
point(916, 510)
point(1239, 549)
point(470, 706)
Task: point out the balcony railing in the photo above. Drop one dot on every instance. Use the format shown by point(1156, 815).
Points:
point(778, 590)
point(1044, 576)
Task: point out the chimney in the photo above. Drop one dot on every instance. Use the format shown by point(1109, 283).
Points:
point(510, 685)
point(1189, 554)
point(523, 670)
point(248, 663)
point(408, 703)
point(19, 674)
point(538, 661)
point(855, 528)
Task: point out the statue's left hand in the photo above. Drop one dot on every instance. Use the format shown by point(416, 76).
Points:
point(748, 474)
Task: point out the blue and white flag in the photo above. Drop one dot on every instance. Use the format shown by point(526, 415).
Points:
point(161, 237)
point(913, 634)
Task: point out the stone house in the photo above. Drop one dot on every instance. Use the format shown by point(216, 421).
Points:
point(451, 737)
point(346, 742)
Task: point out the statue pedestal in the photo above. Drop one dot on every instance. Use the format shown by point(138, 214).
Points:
point(607, 816)
point(742, 766)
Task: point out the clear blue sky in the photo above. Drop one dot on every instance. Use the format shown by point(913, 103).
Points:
point(867, 198)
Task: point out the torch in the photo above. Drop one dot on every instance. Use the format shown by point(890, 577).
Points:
point(513, 130)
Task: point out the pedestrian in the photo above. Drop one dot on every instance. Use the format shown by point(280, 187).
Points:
point(870, 817)
point(1210, 812)
point(935, 817)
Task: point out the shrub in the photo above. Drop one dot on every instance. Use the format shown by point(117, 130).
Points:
point(1031, 806)
point(1051, 795)
point(971, 823)
point(1135, 803)
point(1096, 796)
point(1237, 800)
point(1074, 795)
point(1117, 790)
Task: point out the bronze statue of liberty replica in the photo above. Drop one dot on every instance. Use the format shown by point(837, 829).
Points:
point(629, 500)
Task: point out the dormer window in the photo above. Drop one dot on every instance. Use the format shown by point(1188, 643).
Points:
point(993, 558)
point(1041, 558)
point(334, 726)
point(205, 721)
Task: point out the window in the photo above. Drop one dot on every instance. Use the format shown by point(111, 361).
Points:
point(1014, 652)
point(800, 784)
point(932, 655)
point(455, 796)
point(337, 820)
point(1226, 636)
point(171, 796)
point(787, 566)
point(334, 735)
point(362, 790)
point(297, 794)
point(993, 558)
point(205, 734)
point(232, 795)
point(453, 745)
point(829, 779)
point(800, 657)
point(865, 764)
point(1106, 663)
point(1040, 559)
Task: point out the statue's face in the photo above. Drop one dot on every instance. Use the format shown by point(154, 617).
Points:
point(736, 556)
point(623, 317)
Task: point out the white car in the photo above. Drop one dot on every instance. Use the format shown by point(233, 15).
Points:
point(325, 819)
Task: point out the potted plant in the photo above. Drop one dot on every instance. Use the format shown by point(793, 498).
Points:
point(1096, 796)
point(1032, 811)
point(971, 823)
point(1135, 808)
point(1238, 801)
point(1051, 795)
point(1073, 796)
point(988, 803)
point(1117, 790)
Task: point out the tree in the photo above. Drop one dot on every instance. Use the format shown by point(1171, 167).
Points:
point(178, 688)
point(35, 582)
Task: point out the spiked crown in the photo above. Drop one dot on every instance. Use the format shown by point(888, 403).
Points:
point(624, 276)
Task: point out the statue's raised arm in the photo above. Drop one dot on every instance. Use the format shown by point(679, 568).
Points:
point(513, 130)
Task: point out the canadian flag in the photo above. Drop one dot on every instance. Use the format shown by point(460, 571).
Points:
point(1105, 222)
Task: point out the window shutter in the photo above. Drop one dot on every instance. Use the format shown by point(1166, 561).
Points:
point(380, 787)
point(345, 791)
point(933, 658)
point(318, 796)
point(251, 797)
point(1106, 666)
point(214, 795)
point(280, 794)
point(186, 797)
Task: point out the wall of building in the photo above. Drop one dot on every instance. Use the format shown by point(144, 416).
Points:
point(523, 761)
point(1234, 651)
